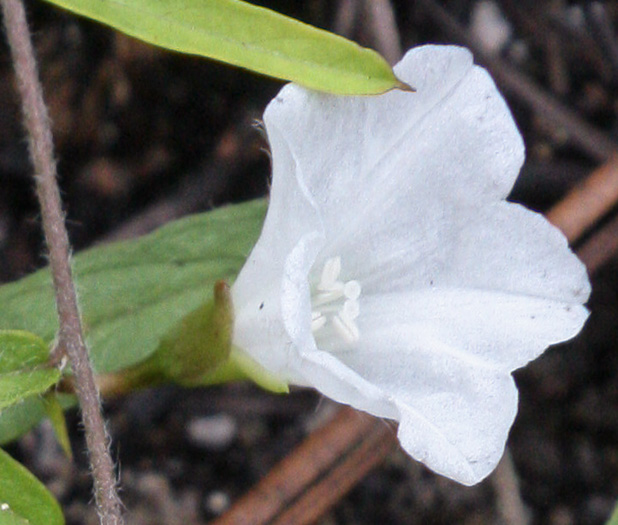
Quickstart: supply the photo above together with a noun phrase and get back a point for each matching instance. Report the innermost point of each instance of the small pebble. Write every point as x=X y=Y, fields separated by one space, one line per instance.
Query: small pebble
x=214 y=432
x=217 y=502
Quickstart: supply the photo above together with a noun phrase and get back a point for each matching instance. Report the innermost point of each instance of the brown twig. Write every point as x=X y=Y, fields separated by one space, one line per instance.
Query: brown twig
x=317 y=474
x=588 y=138
x=601 y=247
x=540 y=23
x=556 y=64
x=587 y=202
x=70 y=338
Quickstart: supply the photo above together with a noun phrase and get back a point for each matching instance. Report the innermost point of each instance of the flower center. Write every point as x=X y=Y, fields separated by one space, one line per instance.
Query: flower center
x=335 y=303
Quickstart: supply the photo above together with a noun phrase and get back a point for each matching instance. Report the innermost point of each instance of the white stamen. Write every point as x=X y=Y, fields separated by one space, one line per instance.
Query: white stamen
x=330 y=273
x=352 y=290
x=346 y=328
x=329 y=296
x=317 y=321
x=350 y=310
x=336 y=302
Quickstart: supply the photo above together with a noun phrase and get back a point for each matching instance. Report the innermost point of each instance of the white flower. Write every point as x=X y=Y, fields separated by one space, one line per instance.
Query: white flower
x=392 y=275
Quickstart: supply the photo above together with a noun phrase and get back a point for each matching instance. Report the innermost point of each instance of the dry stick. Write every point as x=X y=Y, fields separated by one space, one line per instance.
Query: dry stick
x=582 y=134
x=317 y=474
x=587 y=202
x=602 y=29
x=601 y=247
x=70 y=337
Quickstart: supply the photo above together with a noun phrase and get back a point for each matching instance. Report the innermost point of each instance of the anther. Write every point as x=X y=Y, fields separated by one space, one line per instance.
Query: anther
x=336 y=302
x=330 y=273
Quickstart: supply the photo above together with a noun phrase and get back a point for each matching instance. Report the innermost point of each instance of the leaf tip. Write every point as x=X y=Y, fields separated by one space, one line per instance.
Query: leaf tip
x=403 y=86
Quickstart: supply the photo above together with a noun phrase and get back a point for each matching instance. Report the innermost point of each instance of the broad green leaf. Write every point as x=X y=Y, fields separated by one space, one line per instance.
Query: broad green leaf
x=20 y=349
x=132 y=293
x=16 y=386
x=249 y=36
x=23 y=370
x=22 y=496
x=8 y=517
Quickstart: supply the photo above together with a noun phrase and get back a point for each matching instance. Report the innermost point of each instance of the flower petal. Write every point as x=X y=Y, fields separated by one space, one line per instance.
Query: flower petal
x=508 y=248
x=286 y=249
x=454 y=411
x=452 y=140
x=502 y=247
x=498 y=329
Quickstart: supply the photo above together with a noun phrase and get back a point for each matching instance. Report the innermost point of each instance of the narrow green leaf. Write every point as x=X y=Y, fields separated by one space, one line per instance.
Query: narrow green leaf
x=17 y=419
x=55 y=413
x=23 y=496
x=249 y=36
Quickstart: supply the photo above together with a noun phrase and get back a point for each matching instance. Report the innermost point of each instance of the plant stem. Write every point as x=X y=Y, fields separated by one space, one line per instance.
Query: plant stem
x=70 y=338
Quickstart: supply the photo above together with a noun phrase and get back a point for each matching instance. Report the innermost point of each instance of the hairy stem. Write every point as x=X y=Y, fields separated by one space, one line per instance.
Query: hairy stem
x=70 y=338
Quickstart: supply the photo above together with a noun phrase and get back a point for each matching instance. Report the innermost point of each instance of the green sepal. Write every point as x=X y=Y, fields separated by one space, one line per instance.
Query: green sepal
x=23 y=497
x=241 y=366
x=195 y=347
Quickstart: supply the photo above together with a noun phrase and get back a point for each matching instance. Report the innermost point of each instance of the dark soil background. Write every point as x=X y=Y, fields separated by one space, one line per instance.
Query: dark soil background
x=144 y=136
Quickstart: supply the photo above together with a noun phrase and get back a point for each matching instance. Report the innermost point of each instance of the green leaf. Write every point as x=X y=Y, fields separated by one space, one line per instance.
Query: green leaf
x=18 y=385
x=23 y=370
x=249 y=36
x=55 y=413
x=23 y=497
x=20 y=349
x=132 y=293
x=17 y=419
x=8 y=517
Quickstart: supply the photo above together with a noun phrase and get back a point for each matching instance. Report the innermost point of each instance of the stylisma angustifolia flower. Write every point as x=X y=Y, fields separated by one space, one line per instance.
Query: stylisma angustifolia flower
x=391 y=273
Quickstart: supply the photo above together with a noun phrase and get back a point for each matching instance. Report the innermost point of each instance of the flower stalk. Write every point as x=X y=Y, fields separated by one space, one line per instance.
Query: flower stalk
x=70 y=336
